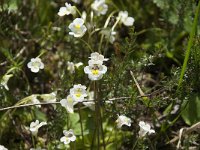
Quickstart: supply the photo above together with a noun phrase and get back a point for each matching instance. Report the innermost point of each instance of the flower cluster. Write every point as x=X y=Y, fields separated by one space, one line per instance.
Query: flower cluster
x=77 y=94
x=96 y=69
x=68 y=9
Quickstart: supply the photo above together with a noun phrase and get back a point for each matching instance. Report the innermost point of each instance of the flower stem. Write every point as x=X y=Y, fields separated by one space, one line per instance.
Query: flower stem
x=78 y=11
x=79 y=111
x=97 y=115
x=135 y=144
x=33 y=141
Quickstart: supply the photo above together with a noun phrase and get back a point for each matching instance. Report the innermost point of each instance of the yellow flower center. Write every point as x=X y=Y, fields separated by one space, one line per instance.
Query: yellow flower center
x=77 y=26
x=95 y=72
x=78 y=94
x=100 y=8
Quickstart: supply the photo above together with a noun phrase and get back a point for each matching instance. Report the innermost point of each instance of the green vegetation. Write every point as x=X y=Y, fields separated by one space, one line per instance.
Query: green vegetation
x=152 y=74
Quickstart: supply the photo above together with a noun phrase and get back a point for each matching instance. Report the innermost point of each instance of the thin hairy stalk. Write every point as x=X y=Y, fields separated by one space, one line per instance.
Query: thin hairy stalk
x=20 y=103
x=190 y=42
x=27 y=105
x=81 y=122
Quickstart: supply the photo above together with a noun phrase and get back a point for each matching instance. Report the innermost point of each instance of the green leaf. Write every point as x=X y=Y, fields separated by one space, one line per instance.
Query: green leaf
x=40 y=115
x=191 y=113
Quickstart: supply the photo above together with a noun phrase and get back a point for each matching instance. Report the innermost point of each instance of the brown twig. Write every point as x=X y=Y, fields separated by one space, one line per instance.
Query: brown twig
x=185 y=132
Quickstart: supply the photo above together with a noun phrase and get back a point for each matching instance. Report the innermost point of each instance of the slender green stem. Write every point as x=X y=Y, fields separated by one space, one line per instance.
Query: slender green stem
x=87 y=45
x=33 y=141
x=93 y=138
x=190 y=42
x=100 y=45
x=105 y=26
x=79 y=111
x=42 y=53
x=117 y=21
x=78 y=11
x=107 y=142
x=97 y=115
x=100 y=119
x=135 y=144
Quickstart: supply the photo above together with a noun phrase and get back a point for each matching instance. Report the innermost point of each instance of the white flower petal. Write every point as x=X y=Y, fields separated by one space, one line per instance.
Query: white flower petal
x=144 y=129
x=129 y=21
x=62 y=11
x=68 y=104
x=78 y=21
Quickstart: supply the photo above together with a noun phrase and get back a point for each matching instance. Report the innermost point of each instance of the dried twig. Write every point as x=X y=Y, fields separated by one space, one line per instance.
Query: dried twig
x=47 y=103
x=185 y=131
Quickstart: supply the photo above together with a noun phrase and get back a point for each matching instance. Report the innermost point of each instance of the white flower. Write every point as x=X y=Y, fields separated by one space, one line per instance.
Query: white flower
x=3 y=148
x=110 y=36
x=77 y=27
x=77 y=65
x=127 y=21
x=49 y=97
x=35 y=64
x=98 y=57
x=68 y=103
x=100 y=7
x=78 y=92
x=68 y=9
x=144 y=129
x=4 y=80
x=34 y=126
x=123 y=120
x=71 y=66
x=68 y=137
x=34 y=100
x=95 y=70
x=84 y=15
x=90 y=103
